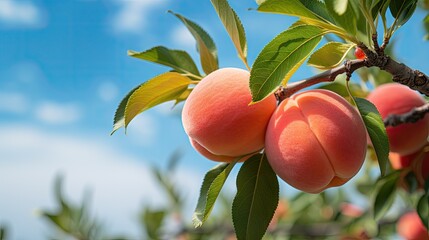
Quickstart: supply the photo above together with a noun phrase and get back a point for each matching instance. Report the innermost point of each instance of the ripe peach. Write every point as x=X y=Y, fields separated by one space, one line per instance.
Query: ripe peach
x=315 y=140
x=394 y=98
x=399 y=162
x=411 y=227
x=219 y=120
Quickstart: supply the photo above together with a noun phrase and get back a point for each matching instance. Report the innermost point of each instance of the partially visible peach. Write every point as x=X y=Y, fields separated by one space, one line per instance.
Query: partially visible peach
x=411 y=227
x=394 y=98
x=351 y=210
x=417 y=162
x=219 y=120
x=315 y=140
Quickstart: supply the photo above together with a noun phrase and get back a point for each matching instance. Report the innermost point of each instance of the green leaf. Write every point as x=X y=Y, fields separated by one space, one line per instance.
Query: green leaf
x=376 y=130
x=210 y=189
x=233 y=26
x=119 y=119
x=402 y=10
x=340 y=6
x=152 y=220
x=205 y=44
x=426 y=25
x=3 y=232
x=385 y=195
x=318 y=8
x=288 y=7
x=423 y=210
x=177 y=59
x=330 y=55
x=257 y=198
x=280 y=58
x=165 y=87
x=347 y=19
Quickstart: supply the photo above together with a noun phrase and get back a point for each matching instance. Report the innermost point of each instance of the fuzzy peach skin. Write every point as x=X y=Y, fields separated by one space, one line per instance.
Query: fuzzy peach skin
x=315 y=140
x=399 y=162
x=218 y=158
x=410 y=227
x=218 y=118
x=394 y=98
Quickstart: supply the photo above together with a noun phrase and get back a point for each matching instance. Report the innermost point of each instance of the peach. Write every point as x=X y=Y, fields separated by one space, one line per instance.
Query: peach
x=315 y=140
x=394 y=98
x=410 y=227
x=399 y=162
x=218 y=119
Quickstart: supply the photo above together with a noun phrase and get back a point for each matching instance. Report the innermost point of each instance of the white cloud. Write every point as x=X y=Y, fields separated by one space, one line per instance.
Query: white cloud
x=11 y=102
x=181 y=36
x=143 y=129
x=20 y=13
x=31 y=158
x=133 y=14
x=107 y=91
x=56 y=113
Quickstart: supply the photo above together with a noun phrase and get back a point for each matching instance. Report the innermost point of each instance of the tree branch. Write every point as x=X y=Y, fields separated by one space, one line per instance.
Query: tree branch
x=400 y=72
x=410 y=117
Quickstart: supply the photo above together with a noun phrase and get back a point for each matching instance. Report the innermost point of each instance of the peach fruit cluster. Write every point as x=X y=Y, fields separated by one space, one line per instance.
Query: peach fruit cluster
x=313 y=140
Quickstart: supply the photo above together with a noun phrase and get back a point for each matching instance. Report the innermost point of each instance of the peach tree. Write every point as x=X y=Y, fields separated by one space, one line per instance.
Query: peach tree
x=313 y=134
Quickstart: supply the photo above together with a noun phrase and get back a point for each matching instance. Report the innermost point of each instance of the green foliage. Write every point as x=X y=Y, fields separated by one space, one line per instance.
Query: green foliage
x=281 y=58
x=165 y=87
x=73 y=220
x=233 y=26
x=256 y=199
x=376 y=131
x=330 y=55
x=423 y=209
x=152 y=221
x=343 y=14
x=385 y=194
x=205 y=44
x=3 y=233
x=210 y=189
x=177 y=59
x=426 y=25
x=402 y=10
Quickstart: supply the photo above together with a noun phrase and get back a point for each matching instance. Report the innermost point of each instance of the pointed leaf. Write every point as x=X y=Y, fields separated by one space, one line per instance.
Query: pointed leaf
x=402 y=10
x=210 y=189
x=318 y=8
x=177 y=59
x=280 y=58
x=288 y=7
x=346 y=20
x=376 y=131
x=257 y=198
x=385 y=195
x=423 y=210
x=119 y=119
x=162 y=88
x=330 y=55
x=205 y=44
x=233 y=26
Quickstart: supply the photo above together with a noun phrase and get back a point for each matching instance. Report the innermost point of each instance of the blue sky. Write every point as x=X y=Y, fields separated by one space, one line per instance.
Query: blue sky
x=63 y=71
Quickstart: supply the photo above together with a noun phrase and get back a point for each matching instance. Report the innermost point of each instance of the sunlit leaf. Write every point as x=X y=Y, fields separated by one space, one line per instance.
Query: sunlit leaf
x=280 y=58
x=177 y=59
x=233 y=26
x=257 y=198
x=205 y=44
x=340 y=6
x=376 y=131
x=119 y=119
x=330 y=55
x=210 y=189
x=385 y=195
x=347 y=19
x=162 y=88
